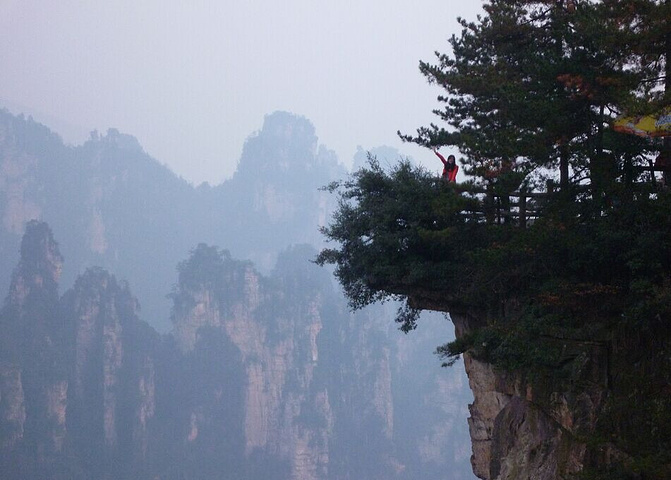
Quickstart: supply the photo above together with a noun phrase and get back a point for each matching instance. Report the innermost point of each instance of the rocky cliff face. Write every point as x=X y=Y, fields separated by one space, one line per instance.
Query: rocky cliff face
x=277 y=354
x=532 y=428
x=112 y=393
x=34 y=386
x=260 y=378
x=67 y=371
x=12 y=406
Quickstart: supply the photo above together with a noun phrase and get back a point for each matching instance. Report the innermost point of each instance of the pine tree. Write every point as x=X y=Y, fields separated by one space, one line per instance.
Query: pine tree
x=534 y=86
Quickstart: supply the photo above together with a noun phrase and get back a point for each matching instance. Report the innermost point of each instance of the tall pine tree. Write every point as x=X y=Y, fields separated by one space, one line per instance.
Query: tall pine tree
x=533 y=87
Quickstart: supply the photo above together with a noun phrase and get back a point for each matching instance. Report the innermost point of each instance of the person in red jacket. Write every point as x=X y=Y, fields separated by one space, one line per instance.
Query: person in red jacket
x=450 y=167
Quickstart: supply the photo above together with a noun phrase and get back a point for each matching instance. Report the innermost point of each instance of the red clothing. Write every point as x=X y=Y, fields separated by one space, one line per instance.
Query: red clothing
x=449 y=171
x=452 y=174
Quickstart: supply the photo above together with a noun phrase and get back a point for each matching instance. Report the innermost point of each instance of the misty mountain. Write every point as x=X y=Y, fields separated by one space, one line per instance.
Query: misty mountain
x=265 y=372
x=114 y=206
x=263 y=377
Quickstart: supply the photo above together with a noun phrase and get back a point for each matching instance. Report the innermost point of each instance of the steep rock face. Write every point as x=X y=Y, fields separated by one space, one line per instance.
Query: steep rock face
x=313 y=388
x=531 y=429
x=144 y=410
x=263 y=377
x=277 y=354
x=38 y=272
x=72 y=390
x=35 y=383
x=112 y=394
x=12 y=406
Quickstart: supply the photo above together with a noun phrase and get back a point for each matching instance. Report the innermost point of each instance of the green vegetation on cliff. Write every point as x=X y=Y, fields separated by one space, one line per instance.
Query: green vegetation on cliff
x=532 y=90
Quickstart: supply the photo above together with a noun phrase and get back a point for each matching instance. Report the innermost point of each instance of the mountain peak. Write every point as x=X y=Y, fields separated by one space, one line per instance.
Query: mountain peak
x=286 y=142
x=40 y=266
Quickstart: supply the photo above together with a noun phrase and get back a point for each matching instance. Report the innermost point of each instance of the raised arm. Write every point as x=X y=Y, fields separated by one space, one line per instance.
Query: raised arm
x=442 y=159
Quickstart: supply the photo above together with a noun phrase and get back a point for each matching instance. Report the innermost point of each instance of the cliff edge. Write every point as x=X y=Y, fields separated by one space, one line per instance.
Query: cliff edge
x=562 y=323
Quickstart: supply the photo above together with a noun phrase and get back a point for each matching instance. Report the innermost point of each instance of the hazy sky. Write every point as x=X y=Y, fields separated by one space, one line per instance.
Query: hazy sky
x=192 y=80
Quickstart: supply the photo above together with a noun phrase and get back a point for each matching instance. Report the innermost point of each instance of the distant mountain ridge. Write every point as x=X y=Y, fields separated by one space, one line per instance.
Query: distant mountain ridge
x=115 y=206
x=265 y=374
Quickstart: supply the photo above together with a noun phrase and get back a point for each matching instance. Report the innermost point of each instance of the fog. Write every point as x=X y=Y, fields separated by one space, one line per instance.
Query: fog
x=153 y=329
x=191 y=80
x=162 y=327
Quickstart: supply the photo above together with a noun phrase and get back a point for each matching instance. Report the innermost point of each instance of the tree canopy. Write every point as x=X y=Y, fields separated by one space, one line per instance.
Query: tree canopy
x=531 y=90
x=537 y=85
